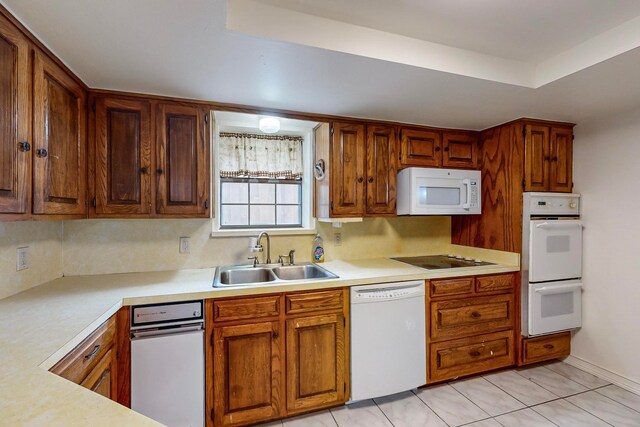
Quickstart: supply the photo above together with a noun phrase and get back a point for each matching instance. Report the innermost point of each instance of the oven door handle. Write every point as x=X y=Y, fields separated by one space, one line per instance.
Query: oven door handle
x=557 y=289
x=467 y=204
x=560 y=224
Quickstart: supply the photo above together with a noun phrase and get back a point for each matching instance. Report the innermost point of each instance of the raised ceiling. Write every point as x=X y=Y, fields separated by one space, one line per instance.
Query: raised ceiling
x=184 y=49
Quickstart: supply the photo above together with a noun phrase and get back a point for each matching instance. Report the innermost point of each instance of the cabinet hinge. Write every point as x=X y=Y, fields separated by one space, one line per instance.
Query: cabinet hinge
x=211 y=414
x=93 y=202
x=206 y=204
x=331 y=130
x=524 y=184
x=206 y=118
x=344 y=322
x=524 y=132
x=331 y=205
x=211 y=339
x=345 y=387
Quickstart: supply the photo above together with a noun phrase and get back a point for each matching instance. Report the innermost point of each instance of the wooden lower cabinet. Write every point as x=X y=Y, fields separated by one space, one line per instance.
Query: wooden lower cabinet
x=247 y=369
x=466 y=356
x=548 y=347
x=101 y=362
x=264 y=363
x=472 y=325
x=316 y=375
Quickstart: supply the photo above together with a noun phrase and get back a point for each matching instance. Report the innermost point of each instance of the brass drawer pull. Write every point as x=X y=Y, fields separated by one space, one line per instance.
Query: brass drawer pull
x=93 y=352
x=475 y=315
x=474 y=353
x=549 y=346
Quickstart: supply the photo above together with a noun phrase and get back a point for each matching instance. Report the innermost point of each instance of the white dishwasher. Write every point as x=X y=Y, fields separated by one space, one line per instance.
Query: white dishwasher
x=388 y=342
x=167 y=363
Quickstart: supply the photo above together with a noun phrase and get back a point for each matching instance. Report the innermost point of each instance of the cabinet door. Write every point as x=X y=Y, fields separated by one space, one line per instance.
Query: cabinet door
x=59 y=126
x=537 y=157
x=561 y=176
x=15 y=155
x=381 y=170
x=315 y=362
x=247 y=373
x=347 y=170
x=460 y=150
x=122 y=157
x=102 y=378
x=420 y=147
x=183 y=161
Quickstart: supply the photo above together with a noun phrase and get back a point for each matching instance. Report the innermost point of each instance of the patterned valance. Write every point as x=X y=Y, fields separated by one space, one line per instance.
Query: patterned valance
x=260 y=156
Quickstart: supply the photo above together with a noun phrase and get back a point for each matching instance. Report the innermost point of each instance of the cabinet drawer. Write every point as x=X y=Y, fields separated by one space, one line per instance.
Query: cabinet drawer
x=314 y=301
x=461 y=318
x=79 y=363
x=494 y=284
x=246 y=308
x=451 y=287
x=546 y=348
x=452 y=359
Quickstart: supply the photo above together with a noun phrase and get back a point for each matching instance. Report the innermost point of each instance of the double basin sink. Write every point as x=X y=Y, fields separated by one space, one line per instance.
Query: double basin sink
x=268 y=274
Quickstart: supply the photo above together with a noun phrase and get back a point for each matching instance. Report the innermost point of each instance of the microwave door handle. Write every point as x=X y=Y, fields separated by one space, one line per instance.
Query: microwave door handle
x=557 y=289
x=467 y=183
x=560 y=224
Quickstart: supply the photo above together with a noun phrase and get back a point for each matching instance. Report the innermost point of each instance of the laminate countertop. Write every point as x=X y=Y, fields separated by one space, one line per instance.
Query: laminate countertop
x=41 y=325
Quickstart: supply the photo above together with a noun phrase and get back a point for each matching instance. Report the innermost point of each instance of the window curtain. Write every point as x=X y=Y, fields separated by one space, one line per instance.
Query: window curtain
x=260 y=156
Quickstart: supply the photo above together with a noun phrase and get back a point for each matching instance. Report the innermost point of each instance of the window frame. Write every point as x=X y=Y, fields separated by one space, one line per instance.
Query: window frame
x=275 y=181
x=308 y=219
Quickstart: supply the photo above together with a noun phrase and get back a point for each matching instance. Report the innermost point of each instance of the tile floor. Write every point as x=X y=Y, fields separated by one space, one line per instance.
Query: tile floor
x=554 y=394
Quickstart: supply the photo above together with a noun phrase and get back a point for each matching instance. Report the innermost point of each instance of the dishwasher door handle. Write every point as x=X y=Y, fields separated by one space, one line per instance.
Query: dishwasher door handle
x=142 y=333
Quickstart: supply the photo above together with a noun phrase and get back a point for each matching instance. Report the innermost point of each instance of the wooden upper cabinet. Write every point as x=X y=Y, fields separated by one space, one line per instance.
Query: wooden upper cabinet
x=460 y=150
x=420 y=147
x=315 y=362
x=122 y=156
x=561 y=176
x=537 y=158
x=347 y=170
x=15 y=150
x=548 y=158
x=59 y=127
x=247 y=373
x=381 y=170
x=183 y=160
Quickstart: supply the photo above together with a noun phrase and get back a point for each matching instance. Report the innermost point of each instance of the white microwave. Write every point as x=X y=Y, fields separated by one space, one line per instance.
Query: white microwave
x=431 y=191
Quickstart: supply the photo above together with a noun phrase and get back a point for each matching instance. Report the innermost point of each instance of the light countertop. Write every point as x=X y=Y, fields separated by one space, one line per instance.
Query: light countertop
x=40 y=326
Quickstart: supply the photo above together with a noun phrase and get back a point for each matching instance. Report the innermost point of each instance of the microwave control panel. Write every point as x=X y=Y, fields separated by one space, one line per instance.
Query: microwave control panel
x=473 y=188
x=552 y=203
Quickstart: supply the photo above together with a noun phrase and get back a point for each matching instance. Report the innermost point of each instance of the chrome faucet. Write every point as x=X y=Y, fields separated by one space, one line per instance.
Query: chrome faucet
x=259 y=245
x=290 y=256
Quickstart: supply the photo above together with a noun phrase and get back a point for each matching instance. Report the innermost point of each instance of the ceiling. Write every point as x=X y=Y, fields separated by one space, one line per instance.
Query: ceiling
x=162 y=47
x=227 y=121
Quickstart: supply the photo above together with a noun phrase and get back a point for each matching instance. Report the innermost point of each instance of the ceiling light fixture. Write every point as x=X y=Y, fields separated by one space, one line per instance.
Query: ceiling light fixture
x=269 y=125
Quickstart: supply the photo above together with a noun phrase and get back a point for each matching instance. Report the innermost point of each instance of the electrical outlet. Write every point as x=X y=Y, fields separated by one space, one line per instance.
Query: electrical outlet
x=22 y=258
x=337 y=238
x=185 y=245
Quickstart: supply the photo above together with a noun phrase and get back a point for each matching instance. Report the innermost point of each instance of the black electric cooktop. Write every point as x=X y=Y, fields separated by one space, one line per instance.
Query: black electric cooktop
x=437 y=262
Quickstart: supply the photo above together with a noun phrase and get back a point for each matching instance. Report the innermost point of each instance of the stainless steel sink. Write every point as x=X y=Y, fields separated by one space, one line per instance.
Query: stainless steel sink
x=245 y=275
x=240 y=275
x=302 y=272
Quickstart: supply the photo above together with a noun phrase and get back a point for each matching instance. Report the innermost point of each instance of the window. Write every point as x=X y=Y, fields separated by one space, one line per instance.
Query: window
x=255 y=202
x=262 y=181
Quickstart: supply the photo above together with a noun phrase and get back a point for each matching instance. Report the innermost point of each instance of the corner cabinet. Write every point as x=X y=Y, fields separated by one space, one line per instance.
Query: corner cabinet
x=15 y=126
x=276 y=355
x=148 y=159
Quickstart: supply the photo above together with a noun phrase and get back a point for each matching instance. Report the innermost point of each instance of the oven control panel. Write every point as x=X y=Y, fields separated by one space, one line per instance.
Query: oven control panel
x=552 y=203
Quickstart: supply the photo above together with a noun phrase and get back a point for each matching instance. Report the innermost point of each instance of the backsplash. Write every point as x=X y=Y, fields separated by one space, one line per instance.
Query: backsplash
x=44 y=239
x=120 y=246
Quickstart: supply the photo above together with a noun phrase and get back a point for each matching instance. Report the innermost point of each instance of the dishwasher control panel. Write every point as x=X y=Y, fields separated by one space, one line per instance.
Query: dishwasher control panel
x=388 y=291
x=160 y=314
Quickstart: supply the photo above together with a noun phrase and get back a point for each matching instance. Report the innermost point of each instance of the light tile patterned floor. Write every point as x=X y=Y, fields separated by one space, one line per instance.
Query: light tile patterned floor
x=554 y=394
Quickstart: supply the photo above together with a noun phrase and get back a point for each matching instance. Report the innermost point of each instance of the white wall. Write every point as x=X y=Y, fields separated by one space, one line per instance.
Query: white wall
x=607 y=173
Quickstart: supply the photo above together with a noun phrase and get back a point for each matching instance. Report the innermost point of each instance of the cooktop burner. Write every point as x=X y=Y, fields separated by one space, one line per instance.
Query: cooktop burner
x=437 y=262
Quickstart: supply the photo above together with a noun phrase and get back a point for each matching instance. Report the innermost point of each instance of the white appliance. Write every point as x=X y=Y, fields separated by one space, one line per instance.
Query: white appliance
x=167 y=363
x=430 y=191
x=551 y=263
x=388 y=346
